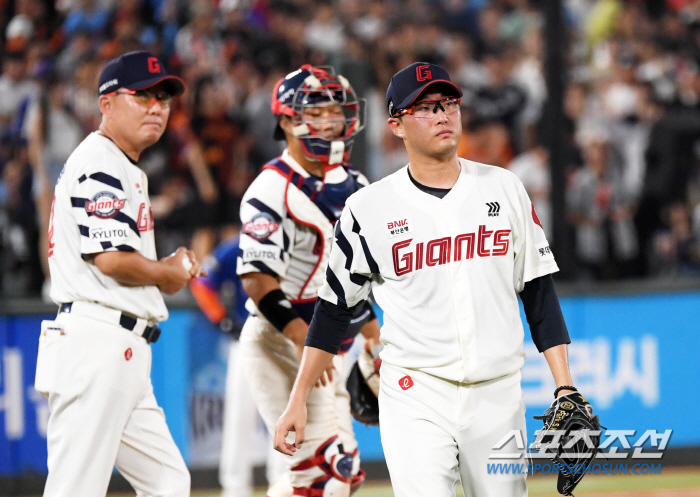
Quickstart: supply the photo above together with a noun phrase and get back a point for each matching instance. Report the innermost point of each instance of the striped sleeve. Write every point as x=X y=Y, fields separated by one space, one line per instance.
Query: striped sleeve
x=265 y=236
x=351 y=264
x=106 y=218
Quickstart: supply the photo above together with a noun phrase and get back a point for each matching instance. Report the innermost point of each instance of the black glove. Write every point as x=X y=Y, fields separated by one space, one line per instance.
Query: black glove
x=570 y=414
x=364 y=405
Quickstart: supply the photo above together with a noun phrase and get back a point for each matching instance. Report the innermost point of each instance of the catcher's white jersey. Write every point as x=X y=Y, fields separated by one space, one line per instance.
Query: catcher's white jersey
x=445 y=271
x=285 y=233
x=101 y=204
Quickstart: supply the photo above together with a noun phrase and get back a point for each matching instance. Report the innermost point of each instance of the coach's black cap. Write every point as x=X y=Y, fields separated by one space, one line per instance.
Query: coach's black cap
x=409 y=82
x=137 y=71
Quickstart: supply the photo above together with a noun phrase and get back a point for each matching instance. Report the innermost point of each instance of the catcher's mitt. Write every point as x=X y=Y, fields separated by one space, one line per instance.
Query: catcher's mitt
x=570 y=416
x=363 y=387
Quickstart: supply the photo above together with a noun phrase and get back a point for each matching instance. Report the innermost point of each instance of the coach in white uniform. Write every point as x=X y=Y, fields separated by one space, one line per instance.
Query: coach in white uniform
x=95 y=359
x=446 y=245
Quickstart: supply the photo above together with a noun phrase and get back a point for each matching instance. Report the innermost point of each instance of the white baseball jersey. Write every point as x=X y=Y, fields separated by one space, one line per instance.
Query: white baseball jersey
x=101 y=204
x=285 y=233
x=445 y=271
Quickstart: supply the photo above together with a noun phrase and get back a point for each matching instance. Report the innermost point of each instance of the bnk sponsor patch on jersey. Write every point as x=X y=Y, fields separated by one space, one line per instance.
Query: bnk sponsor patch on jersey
x=398 y=227
x=544 y=252
x=261 y=226
x=104 y=205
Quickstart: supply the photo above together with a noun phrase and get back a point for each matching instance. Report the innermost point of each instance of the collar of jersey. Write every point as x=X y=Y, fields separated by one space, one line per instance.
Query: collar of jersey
x=413 y=195
x=291 y=162
x=98 y=133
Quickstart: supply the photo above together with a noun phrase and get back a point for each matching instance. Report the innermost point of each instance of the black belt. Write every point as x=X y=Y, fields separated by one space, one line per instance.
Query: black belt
x=150 y=333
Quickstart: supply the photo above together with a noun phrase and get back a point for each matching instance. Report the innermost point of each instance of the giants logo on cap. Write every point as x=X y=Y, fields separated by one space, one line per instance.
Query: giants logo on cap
x=423 y=73
x=153 y=65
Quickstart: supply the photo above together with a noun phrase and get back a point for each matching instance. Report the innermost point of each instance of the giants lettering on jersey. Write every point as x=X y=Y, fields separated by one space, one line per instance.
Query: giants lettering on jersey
x=440 y=251
x=145 y=221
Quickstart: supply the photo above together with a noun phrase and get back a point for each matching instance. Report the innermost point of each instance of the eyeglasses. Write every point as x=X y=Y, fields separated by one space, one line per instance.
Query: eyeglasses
x=147 y=98
x=428 y=108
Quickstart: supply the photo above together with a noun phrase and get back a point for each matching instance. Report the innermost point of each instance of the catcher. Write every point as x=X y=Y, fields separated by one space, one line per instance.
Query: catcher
x=288 y=214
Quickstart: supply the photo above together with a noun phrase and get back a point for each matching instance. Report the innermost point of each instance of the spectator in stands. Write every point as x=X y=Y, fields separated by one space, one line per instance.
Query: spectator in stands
x=601 y=210
x=199 y=41
x=532 y=168
x=22 y=275
x=676 y=248
x=87 y=15
x=325 y=33
x=501 y=101
x=17 y=90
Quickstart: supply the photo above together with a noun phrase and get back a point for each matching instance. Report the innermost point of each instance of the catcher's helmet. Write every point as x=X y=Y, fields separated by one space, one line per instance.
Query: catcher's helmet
x=311 y=86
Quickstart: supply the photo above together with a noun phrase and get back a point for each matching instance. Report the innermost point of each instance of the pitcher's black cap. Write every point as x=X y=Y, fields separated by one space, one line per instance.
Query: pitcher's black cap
x=137 y=71
x=409 y=82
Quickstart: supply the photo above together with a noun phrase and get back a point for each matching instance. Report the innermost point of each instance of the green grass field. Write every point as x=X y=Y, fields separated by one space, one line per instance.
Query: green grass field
x=670 y=483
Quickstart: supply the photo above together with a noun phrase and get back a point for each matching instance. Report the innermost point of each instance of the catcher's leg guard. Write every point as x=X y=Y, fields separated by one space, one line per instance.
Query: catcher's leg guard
x=337 y=466
x=358 y=475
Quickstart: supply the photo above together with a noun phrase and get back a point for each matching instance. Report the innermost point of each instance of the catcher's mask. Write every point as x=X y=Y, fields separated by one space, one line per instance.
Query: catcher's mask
x=311 y=86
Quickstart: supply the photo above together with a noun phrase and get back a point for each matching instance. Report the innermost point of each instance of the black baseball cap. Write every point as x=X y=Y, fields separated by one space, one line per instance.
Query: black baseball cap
x=137 y=71
x=409 y=82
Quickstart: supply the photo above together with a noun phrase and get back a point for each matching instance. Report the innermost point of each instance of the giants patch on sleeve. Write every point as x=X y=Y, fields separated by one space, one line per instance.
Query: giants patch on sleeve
x=261 y=226
x=398 y=227
x=544 y=251
x=104 y=205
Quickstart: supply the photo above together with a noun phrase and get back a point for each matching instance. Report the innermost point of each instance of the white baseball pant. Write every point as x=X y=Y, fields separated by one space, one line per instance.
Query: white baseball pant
x=271 y=367
x=96 y=376
x=435 y=432
x=239 y=434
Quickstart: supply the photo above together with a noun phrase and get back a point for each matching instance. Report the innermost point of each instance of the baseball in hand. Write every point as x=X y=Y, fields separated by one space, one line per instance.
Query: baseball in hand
x=186 y=263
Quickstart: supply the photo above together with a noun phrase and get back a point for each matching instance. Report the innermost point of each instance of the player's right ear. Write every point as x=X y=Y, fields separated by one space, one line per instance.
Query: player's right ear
x=396 y=125
x=105 y=104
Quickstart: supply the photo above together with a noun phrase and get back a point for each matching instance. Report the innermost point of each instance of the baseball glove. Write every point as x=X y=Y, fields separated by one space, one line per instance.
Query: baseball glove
x=570 y=416
x=363 y=387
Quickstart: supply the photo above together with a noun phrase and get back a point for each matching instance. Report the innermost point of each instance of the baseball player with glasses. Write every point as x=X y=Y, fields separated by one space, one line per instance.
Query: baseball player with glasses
x=287 y=216
x=94 y=359
x=446 y=245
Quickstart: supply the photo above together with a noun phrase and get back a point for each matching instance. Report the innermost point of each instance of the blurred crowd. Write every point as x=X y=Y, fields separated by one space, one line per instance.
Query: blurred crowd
x=632 y=107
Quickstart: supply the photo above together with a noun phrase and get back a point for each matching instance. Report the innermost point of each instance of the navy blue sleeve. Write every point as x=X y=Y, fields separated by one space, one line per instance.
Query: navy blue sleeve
x=329 y=325
x=544 y=314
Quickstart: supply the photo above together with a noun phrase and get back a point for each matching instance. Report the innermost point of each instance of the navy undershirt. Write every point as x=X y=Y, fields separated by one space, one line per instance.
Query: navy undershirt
x=540 y=302
x=436 y=192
